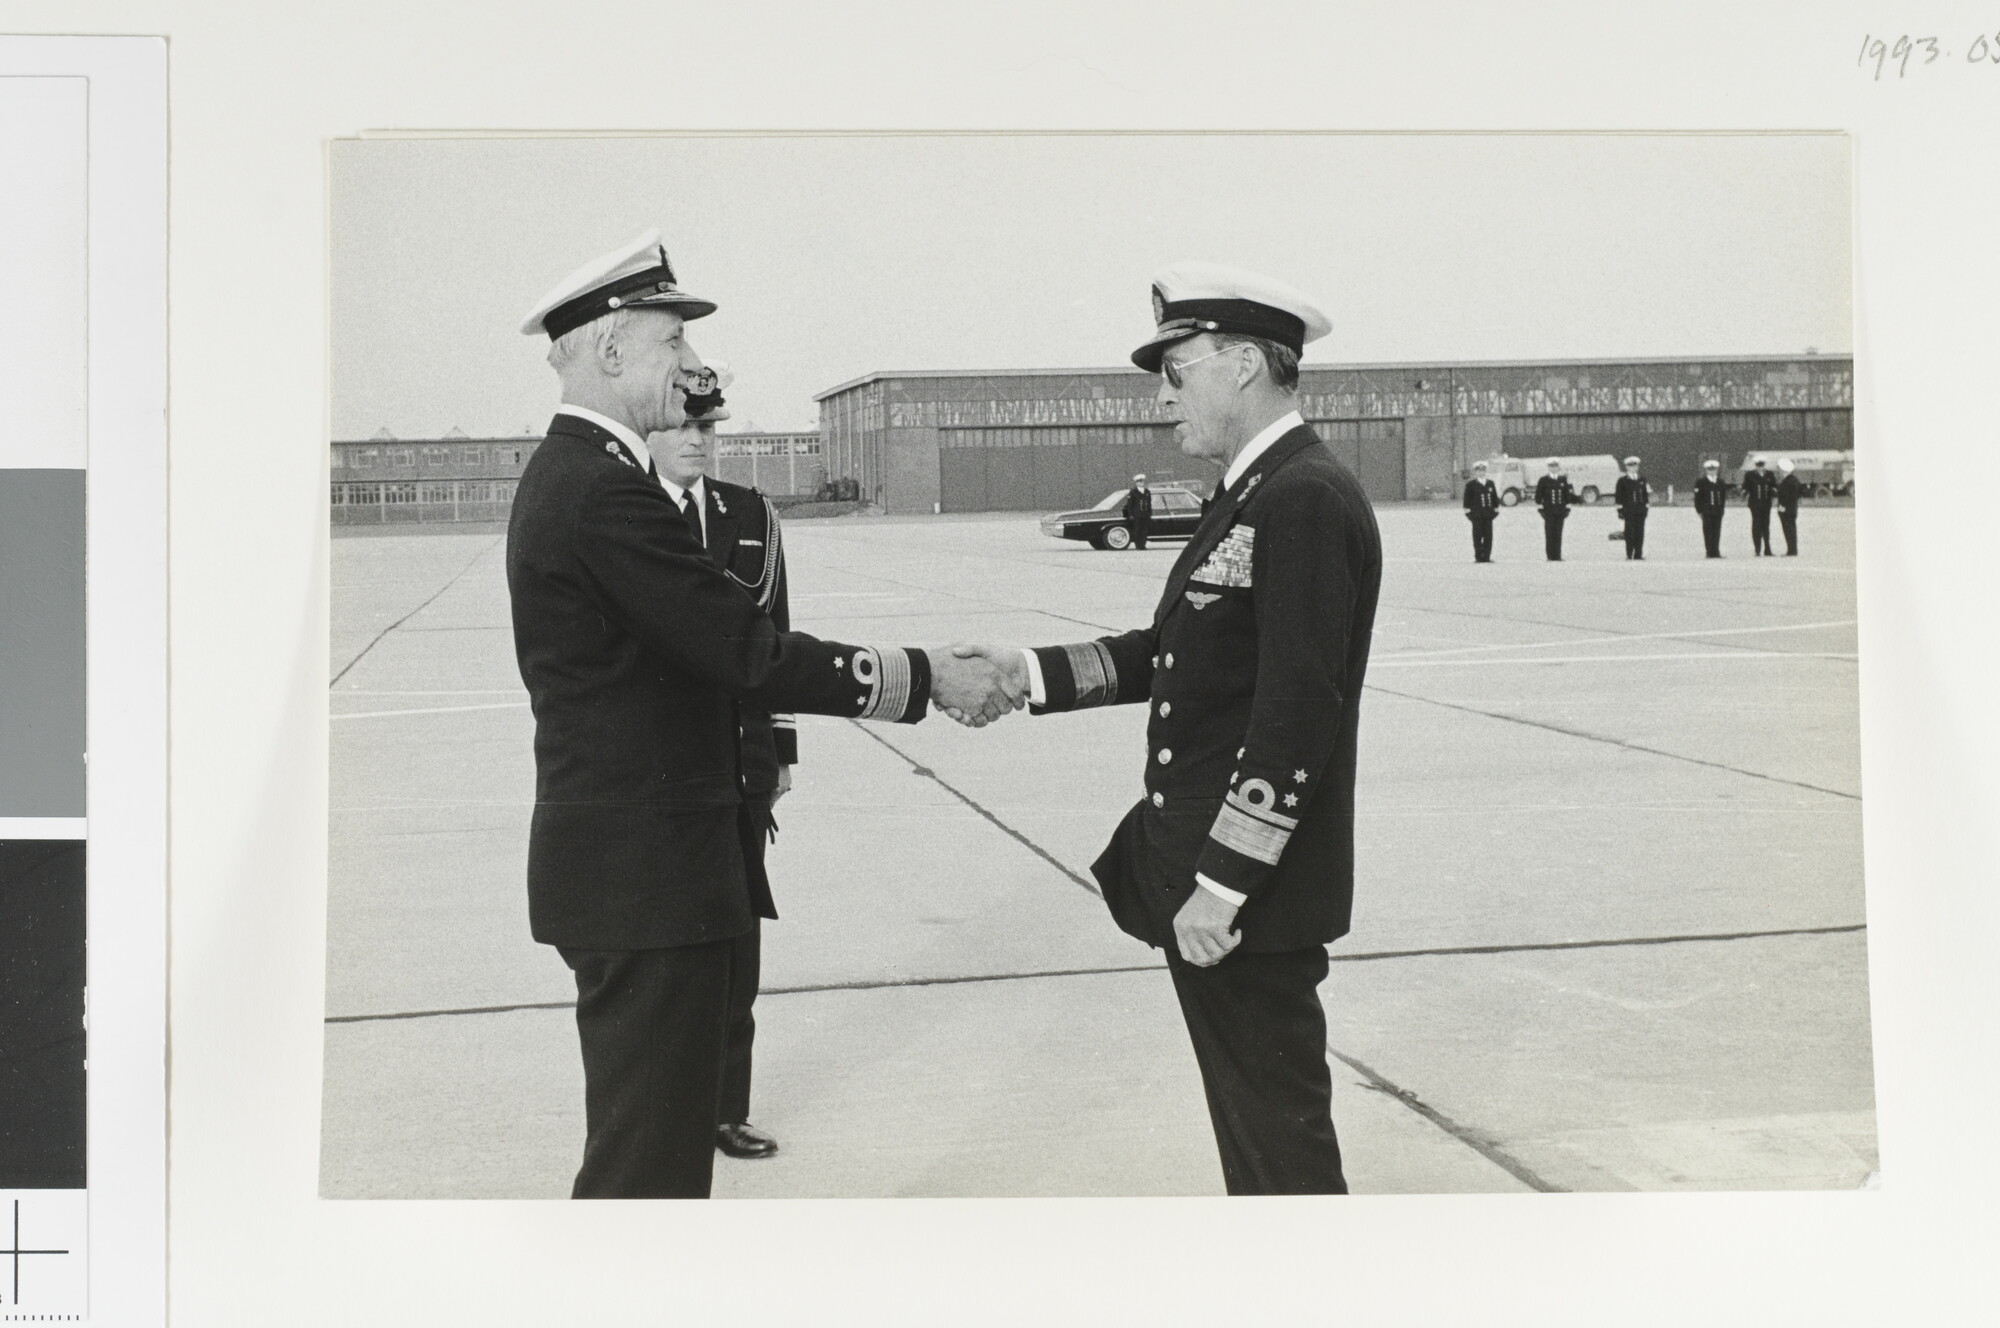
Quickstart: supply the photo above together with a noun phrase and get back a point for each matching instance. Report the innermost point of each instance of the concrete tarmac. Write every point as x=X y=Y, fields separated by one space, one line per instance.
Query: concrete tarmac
x=1608 y=926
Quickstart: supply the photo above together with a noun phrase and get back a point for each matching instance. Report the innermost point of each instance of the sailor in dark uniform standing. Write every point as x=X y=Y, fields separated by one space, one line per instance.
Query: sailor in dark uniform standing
x=1711 y=499
x=1633 y=501
x=739 y=528
x=1760 y=489
x=1790 y=490
x=638 y=654
x=1239 y=859
x=1555 y=497
x=1482 y=504
x=1138 y=511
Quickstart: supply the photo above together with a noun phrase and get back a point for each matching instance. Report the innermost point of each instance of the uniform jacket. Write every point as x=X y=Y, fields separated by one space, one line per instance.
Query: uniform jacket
x=747 y=543
x=1632 y=497
x=1789 y=492
x=1251 y=672
x=1759 y=488
x=1553 y=494
x=639 y=654
x=1138 y=507
x=1482 y=499
x=1711 y=495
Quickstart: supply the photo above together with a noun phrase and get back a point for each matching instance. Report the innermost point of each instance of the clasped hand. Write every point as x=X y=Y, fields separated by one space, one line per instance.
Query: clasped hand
x=976 y=684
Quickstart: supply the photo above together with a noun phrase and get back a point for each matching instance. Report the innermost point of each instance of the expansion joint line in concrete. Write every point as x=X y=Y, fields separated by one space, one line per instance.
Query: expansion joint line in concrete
x=459 y=576
x=1481 y=1144
x=1588 y=736
x=1365 y=956
x=1005 y=829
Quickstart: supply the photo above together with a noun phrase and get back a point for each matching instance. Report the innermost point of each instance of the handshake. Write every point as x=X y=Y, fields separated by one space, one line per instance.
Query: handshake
x=976 y=684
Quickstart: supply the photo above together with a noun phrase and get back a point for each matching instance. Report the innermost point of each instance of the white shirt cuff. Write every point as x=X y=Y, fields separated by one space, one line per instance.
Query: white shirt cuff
x=1221 y=892
x=1037 y=692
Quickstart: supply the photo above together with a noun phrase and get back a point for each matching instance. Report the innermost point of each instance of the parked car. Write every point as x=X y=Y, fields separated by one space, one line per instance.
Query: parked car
x=1176 y=512
x=1593 y=477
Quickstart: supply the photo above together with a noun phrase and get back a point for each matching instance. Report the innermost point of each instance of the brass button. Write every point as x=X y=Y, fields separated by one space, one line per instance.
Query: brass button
x=1166 y=708
x=1170 y=659
x=1166 y=755
x=1159 y=799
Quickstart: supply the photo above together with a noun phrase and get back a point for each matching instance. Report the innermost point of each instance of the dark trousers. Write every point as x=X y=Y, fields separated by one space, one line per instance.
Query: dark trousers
x=1635 y=535
x=654 y=1025
x=1259 y=1035
x=1711 y=533
x=1482 y=539
x=1760 y=529
x=1552 y=533
x=1140 y=527
x=1789 y=523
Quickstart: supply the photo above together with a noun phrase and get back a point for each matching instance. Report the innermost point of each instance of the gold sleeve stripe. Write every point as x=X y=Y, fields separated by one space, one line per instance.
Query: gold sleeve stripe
x=1238 y=830
x=1254 y=799
x=888 y=673
x=1096 y=676
x=784 y=721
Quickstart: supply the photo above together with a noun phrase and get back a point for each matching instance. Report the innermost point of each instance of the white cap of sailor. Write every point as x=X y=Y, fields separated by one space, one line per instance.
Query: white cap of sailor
x=1192 y=298
x=704 y=392
x=636 y=274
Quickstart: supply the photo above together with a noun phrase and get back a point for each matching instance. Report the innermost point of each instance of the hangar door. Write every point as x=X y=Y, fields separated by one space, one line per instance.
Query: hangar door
x=1051 y=469
x=1373 y=450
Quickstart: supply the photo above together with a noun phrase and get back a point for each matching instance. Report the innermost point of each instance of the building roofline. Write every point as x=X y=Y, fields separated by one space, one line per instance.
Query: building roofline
x=1380 y=365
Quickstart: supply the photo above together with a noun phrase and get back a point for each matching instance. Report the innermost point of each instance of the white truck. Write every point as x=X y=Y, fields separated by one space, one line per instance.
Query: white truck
x=1595 y=478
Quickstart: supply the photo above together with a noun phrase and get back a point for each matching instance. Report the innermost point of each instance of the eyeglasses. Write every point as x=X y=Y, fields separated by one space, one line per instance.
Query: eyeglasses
x=1172 y=371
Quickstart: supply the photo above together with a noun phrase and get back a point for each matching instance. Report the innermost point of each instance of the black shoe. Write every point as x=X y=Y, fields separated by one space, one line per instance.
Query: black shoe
x=744 y=1140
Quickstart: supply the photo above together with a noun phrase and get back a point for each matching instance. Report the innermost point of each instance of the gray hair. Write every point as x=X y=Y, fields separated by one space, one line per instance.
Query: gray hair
x=565 y=349
x=1282 y=361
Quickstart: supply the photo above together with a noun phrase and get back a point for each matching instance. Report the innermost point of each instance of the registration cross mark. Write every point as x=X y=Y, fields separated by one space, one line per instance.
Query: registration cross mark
x=16 y=1252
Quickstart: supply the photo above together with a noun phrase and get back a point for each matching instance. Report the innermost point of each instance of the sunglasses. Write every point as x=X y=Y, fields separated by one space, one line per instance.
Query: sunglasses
x=1172 y=371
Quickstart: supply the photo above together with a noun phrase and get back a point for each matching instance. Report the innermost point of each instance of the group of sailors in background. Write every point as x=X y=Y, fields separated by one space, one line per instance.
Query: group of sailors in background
x=1554 y=496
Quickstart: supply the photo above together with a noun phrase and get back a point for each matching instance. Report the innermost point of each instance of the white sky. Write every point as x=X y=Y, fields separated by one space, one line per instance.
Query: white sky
x=832 y=257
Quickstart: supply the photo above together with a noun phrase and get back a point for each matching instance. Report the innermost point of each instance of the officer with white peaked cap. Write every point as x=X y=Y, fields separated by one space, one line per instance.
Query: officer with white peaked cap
x=637 y=651
x=1238 y=861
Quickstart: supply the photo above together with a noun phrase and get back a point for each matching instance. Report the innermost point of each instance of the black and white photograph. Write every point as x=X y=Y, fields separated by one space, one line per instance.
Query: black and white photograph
x=992 y=665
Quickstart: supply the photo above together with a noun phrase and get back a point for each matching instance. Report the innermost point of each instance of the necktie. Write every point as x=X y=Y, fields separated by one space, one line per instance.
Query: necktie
x=693 y=516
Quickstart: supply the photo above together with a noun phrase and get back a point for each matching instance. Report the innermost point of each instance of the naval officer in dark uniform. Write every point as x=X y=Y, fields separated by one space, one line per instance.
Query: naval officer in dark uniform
x=1239 y=859
x=1790 y=490
x=1138 y=511
x=739 y=528
x=1555 y=496
x=1760 y=489
x=1634 y=498
x=638 y=654
x=1482 y=504
x=1711 y=499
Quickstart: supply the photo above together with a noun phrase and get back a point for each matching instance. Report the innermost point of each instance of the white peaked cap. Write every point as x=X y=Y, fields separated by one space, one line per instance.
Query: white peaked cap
x=1192 y=298
x=634 y=274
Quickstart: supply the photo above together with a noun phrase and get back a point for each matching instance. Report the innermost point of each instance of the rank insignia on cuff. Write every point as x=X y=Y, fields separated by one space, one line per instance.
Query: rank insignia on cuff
x=886 y=673
x=1229 y=563
x=1249 y=825
x=1095 y=675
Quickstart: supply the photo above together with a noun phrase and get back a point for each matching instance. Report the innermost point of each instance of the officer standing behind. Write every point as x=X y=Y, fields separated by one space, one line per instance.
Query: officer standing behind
x=637 y=652
x=1760 y=487
x=739 y=528
x=1711 y=495
x=1239 y=859
x=1633 y=501
x=1139 y=511
x=1789 y=493
x=1482 y=504
x=1555 y=497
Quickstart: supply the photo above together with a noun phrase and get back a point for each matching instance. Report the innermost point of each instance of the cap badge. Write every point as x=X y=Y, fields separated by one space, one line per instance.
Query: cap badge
x=1159 y=306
